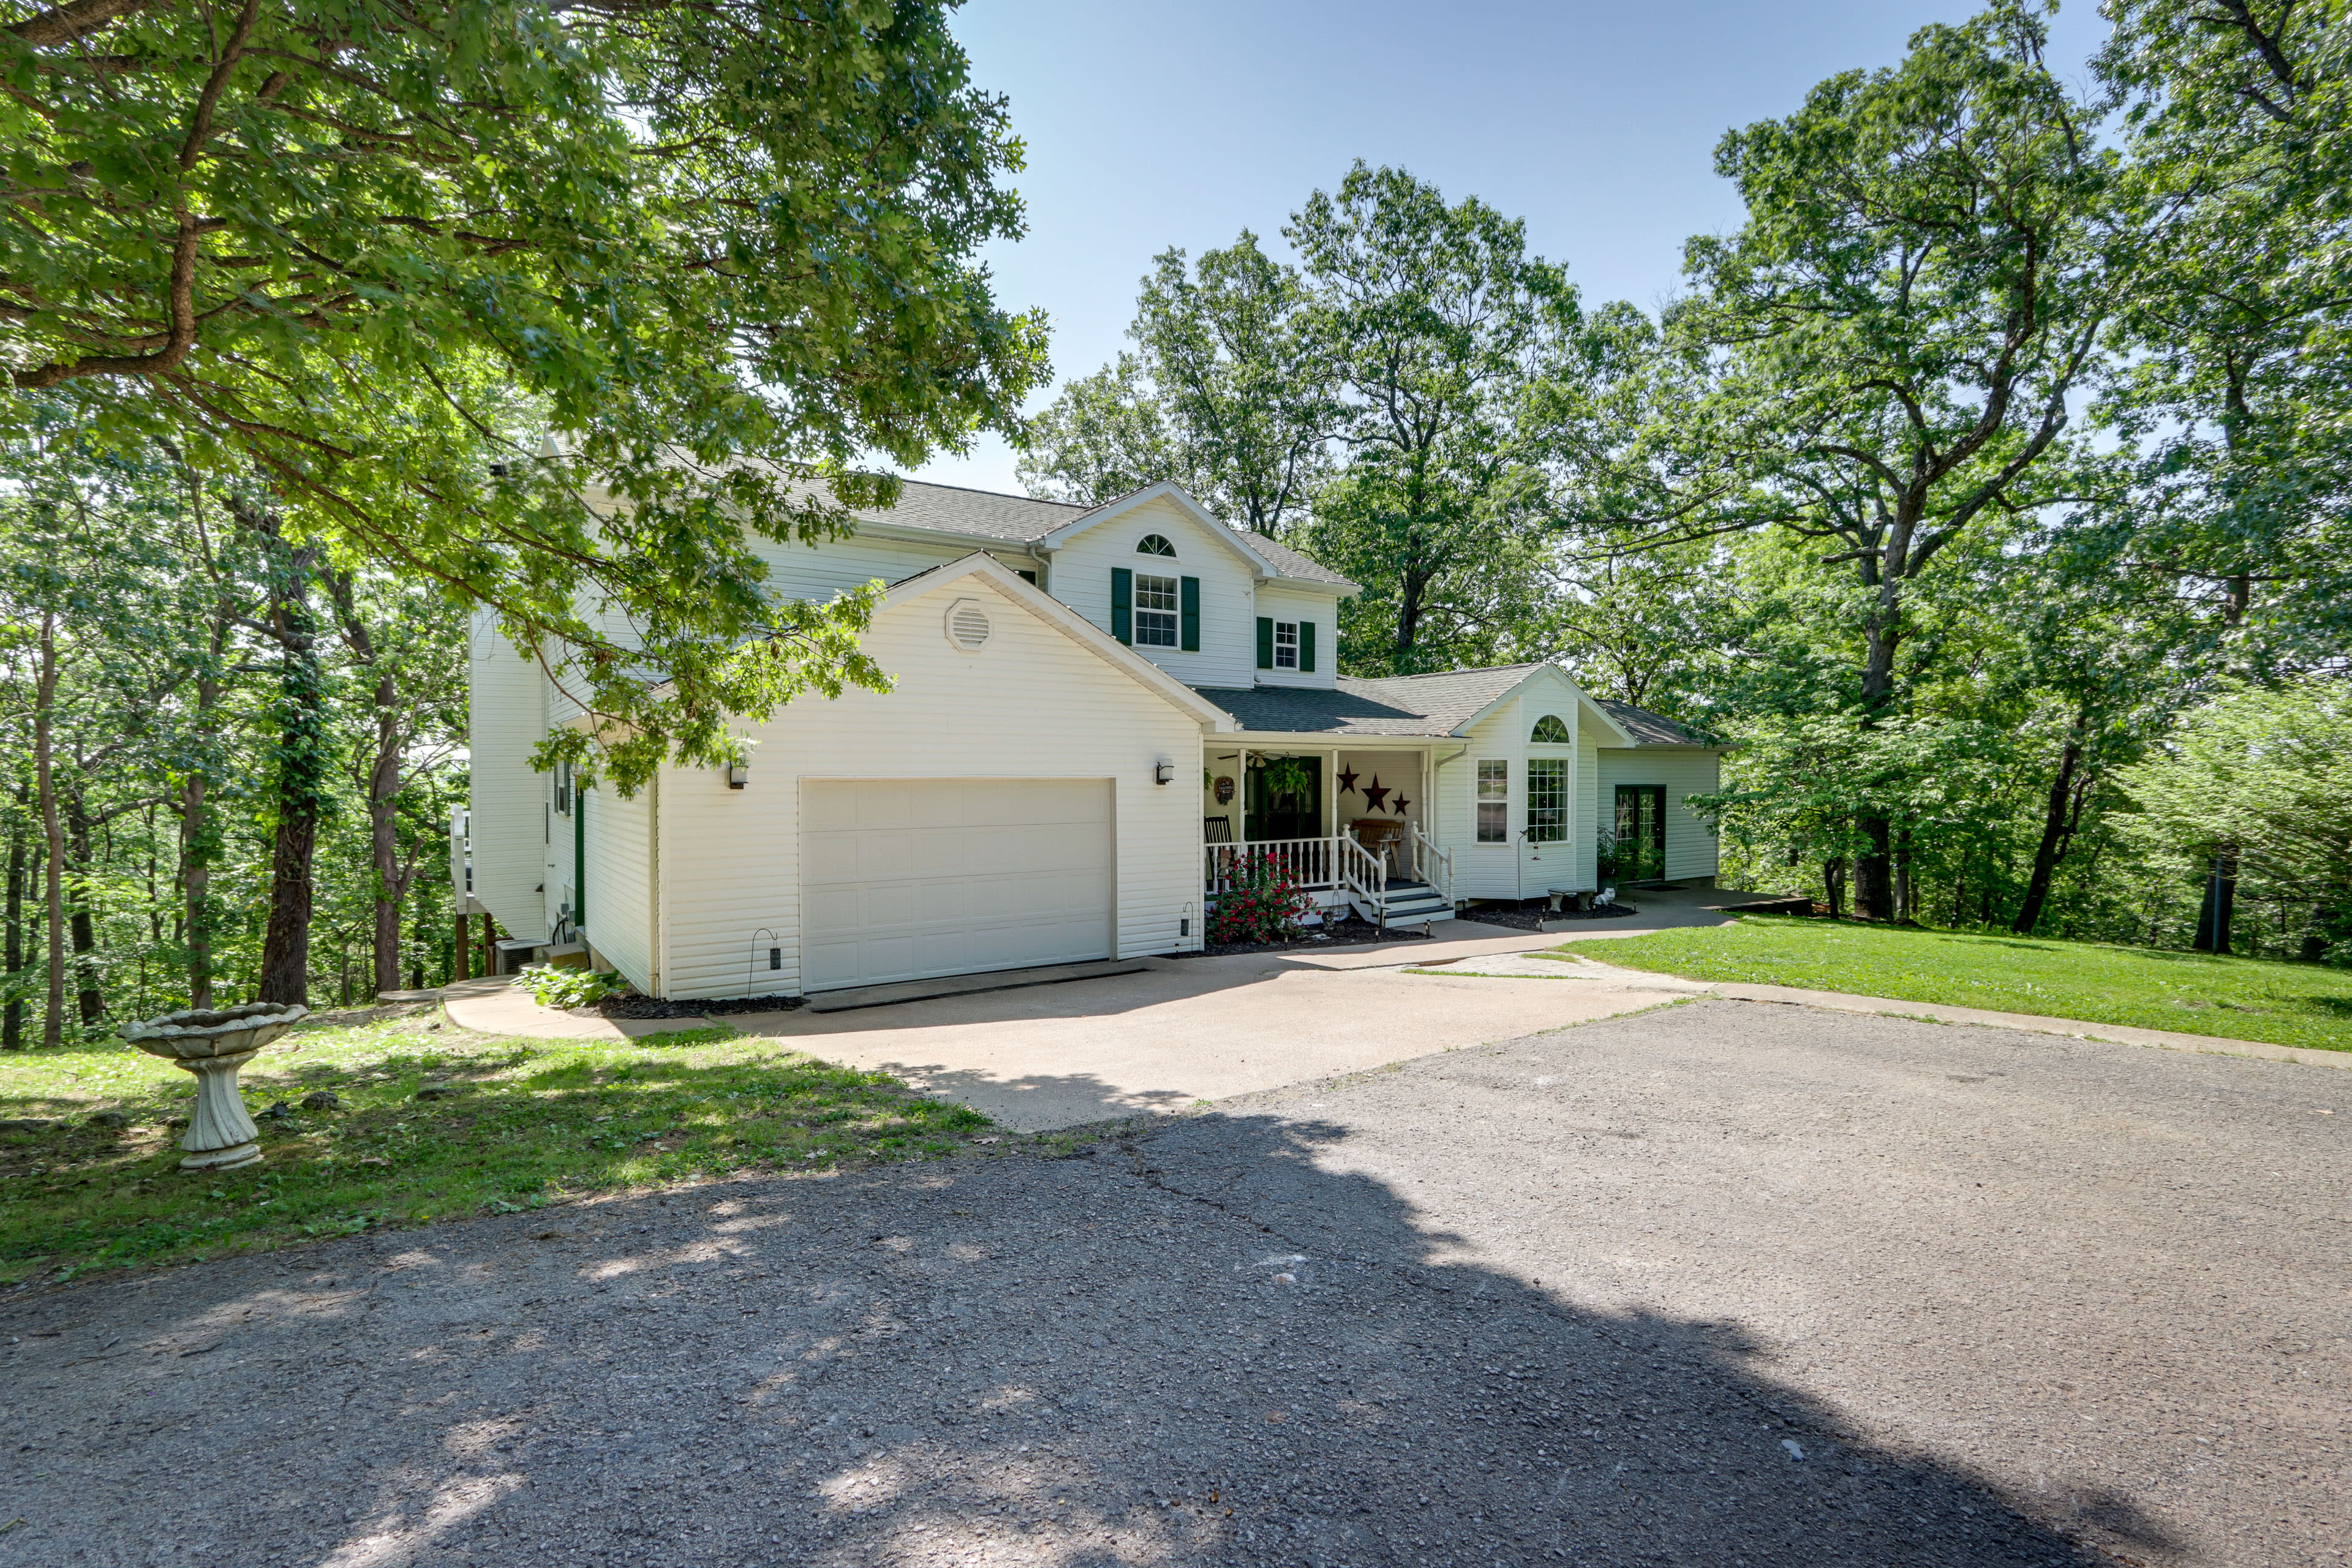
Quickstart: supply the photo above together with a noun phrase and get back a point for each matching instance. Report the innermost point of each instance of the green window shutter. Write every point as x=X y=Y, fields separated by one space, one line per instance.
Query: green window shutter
x=1306 y=647
x=1122 y=604
x=1265 y=642
x=1189 y=633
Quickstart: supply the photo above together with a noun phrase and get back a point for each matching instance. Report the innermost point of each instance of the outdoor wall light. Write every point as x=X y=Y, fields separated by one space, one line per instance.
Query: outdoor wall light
x=738 y=774
x=1165 y=773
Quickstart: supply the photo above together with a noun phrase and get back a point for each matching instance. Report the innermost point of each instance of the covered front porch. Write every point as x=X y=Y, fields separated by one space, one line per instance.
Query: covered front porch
x=1349 y=824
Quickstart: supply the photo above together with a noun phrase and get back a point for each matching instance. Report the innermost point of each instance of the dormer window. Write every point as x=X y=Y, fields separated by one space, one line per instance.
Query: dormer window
x=1153 y=544
x=1549 y=732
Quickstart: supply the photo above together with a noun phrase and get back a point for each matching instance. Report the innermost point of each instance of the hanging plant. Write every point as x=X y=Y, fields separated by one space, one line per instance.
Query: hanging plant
x=1290 y=780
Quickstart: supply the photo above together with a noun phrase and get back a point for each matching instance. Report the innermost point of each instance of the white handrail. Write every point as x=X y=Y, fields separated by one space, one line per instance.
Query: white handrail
x=1365 y=875
x=1430 y=864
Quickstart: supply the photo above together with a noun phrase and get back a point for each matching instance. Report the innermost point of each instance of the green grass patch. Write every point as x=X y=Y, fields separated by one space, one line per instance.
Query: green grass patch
x=2190 y=993
x=525 y=1123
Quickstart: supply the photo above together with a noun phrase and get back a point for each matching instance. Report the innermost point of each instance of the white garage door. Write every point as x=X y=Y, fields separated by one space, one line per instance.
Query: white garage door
x=907 y=879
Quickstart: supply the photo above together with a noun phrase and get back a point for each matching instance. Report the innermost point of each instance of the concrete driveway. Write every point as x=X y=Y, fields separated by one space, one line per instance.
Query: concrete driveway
x=1183 y=1031
x=1725 y=1284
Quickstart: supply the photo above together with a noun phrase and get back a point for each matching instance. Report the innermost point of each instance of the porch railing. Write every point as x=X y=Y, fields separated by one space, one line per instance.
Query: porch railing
x=1308 y=862
x=1337 y=864
x=1432 y=865
x=1364 y=876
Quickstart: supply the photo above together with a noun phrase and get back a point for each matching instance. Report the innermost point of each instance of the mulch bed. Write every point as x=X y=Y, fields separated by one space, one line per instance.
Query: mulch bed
x=632 y=1005
x=1351 y=932
x=1527 y=916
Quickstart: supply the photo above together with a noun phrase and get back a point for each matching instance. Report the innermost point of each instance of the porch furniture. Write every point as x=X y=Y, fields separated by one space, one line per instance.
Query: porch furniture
x=1383 y=835
x=1216 y=830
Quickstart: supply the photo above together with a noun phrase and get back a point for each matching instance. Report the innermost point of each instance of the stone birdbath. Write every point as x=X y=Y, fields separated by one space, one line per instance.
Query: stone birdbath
x=214 y=1046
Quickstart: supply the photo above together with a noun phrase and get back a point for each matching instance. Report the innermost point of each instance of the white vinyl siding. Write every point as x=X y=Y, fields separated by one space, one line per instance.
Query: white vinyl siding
x=1298 y=607
x=619 y=882
x=818 y=572
x=1033 y=704
x=1081 y=579
x=505 y=721
x=909 y=879
x=1682 y=770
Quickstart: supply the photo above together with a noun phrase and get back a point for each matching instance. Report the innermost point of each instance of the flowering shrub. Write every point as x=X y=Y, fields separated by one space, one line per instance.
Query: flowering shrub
x=1264 y=904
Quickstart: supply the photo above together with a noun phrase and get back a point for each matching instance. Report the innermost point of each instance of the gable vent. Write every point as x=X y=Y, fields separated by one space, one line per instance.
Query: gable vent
x=967 y=624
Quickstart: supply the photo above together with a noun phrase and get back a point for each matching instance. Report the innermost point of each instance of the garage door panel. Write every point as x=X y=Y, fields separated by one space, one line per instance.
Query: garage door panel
x=912 y=879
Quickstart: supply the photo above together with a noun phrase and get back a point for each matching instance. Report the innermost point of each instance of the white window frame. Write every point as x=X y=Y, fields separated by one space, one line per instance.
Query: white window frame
x=1285 y=645
x=1159 y=603
x=1546 y=805
x=564 y=789
x=1494 y=800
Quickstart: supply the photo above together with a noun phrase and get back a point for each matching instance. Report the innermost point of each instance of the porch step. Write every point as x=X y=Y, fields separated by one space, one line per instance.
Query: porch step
x=1412 y=903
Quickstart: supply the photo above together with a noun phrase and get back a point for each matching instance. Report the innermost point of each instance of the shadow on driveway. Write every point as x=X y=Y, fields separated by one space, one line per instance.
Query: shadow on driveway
x=1200 y=1347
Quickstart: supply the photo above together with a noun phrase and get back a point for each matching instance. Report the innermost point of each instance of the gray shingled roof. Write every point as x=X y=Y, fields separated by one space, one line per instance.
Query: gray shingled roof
x=1650 y=729
x=1023 y=519
x=985 y=514
x=1406 y=705
x=1291 y=563
x=1428 y=705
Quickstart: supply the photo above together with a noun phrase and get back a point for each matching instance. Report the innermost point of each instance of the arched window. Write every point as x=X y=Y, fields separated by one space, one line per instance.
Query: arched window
x=1153 y=544
x=1549 y=732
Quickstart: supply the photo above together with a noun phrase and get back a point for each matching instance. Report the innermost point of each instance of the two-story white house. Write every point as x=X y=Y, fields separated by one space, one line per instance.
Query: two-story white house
x=1097 y=714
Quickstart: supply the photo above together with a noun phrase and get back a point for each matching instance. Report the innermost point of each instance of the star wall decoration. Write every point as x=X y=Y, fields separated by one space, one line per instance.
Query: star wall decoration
x=1399 y=805
x=1348 y=780
x=1376 y=794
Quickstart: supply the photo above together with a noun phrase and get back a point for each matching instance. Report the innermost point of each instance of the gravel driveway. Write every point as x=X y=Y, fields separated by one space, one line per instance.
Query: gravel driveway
x=1723 y=1284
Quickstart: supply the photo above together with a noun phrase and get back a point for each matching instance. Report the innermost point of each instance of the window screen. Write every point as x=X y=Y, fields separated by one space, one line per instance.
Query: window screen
x=1156 y=607
x=1546 y=799
x=1494 y=802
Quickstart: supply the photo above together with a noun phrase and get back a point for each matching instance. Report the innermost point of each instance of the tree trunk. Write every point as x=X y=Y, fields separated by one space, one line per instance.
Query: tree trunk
x=2218 y=906
x=2320 y=934
x=2059 y=818
x=199 y=843
x=1874 y=868
x=90 y=995
x=11 y=1019
x=1833 y=881
x=53 y=1016
x=303 y=763
x=383 y=784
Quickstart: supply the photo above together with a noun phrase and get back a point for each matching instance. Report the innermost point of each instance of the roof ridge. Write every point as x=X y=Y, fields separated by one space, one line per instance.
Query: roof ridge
x=997 y=495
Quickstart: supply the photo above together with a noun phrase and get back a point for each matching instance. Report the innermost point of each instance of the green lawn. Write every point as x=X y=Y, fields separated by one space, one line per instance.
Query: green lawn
x=531 y=1123
x=2235 y=998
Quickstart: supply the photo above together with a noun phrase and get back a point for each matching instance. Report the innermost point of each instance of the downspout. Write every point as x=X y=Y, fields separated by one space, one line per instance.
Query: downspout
x=1436 y=793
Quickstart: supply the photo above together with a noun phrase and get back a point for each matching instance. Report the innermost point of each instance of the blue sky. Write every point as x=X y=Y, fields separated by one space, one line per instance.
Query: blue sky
x=1149 y=126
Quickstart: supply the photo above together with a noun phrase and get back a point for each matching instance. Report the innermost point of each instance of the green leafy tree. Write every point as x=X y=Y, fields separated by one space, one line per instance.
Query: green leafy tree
x=1917 y=293
x=2264 y=778
x=1436 y=319
x=726 y=250
x=2237 y=117
x=1225 y=394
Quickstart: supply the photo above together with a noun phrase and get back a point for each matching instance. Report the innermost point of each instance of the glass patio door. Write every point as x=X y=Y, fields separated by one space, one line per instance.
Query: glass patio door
x=1641 y=834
